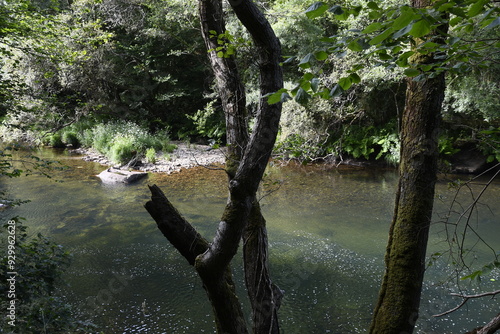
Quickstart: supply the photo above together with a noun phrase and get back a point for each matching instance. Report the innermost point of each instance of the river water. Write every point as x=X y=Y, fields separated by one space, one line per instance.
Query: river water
x=327 y=230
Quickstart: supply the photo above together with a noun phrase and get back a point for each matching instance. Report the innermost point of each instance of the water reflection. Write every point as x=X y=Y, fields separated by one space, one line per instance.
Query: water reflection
x=327 y=230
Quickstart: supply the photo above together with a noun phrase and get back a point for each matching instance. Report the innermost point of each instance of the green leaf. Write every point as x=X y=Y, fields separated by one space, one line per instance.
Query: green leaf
x=306 y=61
x=476 y=8
x=411 y=72
x=355 y=78
x=315 y=84
x=336 y=91
x=321 y=55
x=447 y=5
x=316 y=9
x=457 y=11
x=307 y=76
x=372 y=5
x=420 y=28
x=384 y=56
x=406 y=17
x=302 y=96
x=336 y=10
x=403 y=31
x=381 y=37
x=275 y=97
x=375 y=14
x=345 y=83
x=372 y=27
x=426 y=68
x=355 y=46
x=474 y=275
x=494 y=23
x=454 y=21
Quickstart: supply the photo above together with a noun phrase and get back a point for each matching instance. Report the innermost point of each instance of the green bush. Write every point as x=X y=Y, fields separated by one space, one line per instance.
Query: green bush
x=55 y=140
x=370 y=143
x=209 y=122
x=122 y=149
x=151 y=155
x=70 y=138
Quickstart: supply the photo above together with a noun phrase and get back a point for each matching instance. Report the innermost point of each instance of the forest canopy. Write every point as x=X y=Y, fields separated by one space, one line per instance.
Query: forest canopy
x=71 y=67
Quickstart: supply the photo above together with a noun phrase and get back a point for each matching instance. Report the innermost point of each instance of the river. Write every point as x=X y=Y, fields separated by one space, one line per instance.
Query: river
x=327 y=230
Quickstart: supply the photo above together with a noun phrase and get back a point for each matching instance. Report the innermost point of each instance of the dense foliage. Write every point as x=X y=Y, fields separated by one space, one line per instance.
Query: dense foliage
x=90 y=63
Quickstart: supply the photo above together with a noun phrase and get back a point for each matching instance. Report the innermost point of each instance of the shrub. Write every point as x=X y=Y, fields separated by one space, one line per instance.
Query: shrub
x=55 y=140
x=122 y=149
x=151 y=155
x=70 y=138
x=210 y=122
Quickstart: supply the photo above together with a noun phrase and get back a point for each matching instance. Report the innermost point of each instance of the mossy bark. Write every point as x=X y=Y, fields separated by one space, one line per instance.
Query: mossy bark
x=396 y=311
x=397 y=308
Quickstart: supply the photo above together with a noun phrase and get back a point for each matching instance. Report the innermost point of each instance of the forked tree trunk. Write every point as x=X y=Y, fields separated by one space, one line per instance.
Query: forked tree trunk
x=397 y=307
x=247 y=161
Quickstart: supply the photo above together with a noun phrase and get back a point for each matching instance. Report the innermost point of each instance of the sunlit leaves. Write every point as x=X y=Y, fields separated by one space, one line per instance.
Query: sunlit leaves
x=403 y=36
x=405 y=18
x=372 y=28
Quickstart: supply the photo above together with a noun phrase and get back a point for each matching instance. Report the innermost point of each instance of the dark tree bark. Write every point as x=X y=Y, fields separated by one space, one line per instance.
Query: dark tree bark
x=230 y=89
x=247 y=160
x=399 y=297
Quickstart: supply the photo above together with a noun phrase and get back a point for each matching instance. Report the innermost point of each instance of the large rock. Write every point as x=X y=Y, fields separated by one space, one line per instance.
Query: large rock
x=115 y=175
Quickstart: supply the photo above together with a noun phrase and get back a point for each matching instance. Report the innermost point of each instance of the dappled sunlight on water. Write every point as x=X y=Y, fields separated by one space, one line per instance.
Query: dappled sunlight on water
x=327 y=229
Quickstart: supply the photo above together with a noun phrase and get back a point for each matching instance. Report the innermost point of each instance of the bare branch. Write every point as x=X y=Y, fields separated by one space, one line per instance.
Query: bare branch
x=466 y=299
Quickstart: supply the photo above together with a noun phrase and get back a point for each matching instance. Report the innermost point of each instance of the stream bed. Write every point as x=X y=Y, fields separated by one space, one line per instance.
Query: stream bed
x=327 y=229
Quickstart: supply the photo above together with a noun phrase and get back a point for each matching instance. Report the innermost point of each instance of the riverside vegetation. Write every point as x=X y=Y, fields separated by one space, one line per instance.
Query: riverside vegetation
x=125 y=77
x=95 y=78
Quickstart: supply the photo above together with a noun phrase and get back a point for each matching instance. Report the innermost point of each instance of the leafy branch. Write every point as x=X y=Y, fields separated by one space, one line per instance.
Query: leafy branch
x=414 y=39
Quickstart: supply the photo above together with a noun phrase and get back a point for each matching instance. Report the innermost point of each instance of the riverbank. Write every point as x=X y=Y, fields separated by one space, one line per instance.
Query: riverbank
x=185 y=155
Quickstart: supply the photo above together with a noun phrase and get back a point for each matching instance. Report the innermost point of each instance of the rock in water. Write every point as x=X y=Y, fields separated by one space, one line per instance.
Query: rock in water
x=114 y=175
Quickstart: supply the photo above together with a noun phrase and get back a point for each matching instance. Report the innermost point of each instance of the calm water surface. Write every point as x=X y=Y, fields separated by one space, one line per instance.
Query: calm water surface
x=327 y=229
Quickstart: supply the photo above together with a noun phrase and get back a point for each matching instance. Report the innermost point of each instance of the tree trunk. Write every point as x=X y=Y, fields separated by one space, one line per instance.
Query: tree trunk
x=399 y=297
x=248 y=160
x=265 y=297
x=229 y=87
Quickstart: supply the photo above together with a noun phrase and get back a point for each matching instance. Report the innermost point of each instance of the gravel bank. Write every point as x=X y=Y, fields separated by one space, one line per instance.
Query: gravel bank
x=184 y=156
